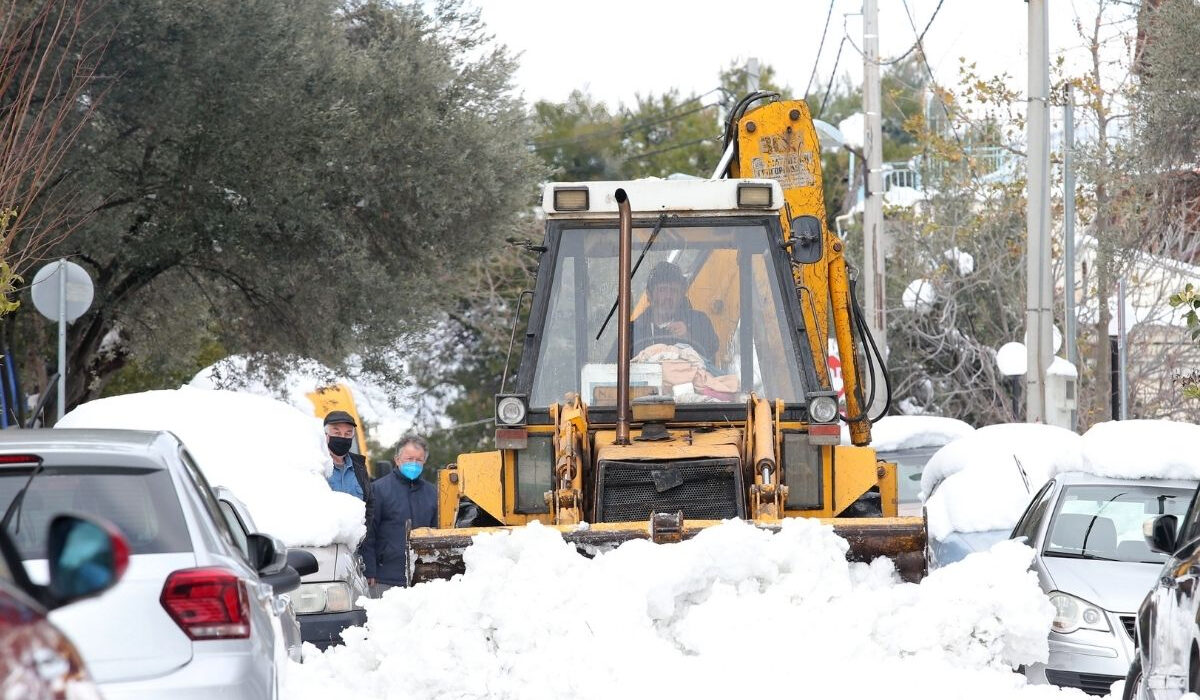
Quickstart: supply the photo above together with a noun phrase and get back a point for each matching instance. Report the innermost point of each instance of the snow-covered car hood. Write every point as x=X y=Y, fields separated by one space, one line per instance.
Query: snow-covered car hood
x=1116 y=586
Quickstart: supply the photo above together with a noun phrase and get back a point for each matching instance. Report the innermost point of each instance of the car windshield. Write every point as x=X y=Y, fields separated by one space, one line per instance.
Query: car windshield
x=709 y=323
x=141 y=502
x=1105 y=521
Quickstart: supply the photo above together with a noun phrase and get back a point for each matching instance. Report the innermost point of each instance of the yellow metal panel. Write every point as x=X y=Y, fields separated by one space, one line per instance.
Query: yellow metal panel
x=677 y=448
x=723 y=436
x=889 y=489
x=479 y=480
x=854 y=472
x=447 y=497
x=716 y=292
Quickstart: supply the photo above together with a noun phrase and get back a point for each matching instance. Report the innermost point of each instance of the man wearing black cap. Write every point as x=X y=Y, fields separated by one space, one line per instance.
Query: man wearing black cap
x=349 y=473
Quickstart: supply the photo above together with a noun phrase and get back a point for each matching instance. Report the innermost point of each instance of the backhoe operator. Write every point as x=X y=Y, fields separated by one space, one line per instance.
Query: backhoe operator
x=670 y=317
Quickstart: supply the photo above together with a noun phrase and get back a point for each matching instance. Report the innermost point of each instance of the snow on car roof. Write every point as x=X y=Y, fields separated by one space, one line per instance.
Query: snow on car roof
x=271 y=455
x=973 y=484
x=1140 y=449
x=910 y=432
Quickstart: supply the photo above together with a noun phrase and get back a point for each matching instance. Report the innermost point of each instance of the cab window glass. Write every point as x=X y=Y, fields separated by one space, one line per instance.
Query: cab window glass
x=236 y=528
x=709 y=323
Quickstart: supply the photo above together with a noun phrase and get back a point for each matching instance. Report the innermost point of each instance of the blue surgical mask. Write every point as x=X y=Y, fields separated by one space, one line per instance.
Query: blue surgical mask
x=411 y=470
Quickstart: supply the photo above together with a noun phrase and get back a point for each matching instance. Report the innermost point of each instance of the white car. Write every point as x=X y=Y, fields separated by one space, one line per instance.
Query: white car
x=195 y=616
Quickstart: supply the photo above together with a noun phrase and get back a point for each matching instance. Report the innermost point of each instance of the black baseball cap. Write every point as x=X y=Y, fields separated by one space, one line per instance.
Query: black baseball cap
x=339 y=417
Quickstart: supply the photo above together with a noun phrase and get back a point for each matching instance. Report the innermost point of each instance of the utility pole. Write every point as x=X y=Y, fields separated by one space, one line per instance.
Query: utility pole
x=874 y=290
x=1038 y=288
x=752 y=75
x=1070 y=342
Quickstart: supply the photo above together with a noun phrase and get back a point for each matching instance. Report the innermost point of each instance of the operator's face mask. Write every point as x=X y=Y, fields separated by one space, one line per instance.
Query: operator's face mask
x=411 y=469
x=339 y=445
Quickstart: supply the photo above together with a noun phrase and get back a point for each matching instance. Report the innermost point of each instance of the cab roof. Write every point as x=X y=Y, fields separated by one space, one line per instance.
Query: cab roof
x=654 y=196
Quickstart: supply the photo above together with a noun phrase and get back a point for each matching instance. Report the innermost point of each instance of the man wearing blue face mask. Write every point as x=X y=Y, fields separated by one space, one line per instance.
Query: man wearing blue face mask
x=403 y=500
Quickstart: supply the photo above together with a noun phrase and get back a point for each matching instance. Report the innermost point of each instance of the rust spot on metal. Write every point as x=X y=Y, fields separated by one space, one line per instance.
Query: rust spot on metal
x=794 y=115
x=880 y=472
x=751 y=127
x=837 y=247
x=454 y=478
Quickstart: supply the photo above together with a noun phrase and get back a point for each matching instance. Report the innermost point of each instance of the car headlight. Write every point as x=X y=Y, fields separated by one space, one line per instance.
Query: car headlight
x=1071 y=613
x=823 y=409
x=313 y=598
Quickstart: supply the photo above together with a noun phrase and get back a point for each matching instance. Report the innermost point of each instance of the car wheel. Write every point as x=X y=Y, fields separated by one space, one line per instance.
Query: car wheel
x=1133 y=680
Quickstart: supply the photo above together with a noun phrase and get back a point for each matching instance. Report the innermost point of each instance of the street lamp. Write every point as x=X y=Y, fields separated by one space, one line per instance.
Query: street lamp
x=1013 y=361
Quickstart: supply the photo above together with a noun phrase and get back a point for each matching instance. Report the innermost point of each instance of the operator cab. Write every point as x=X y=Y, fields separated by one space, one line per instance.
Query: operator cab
x=714 y=311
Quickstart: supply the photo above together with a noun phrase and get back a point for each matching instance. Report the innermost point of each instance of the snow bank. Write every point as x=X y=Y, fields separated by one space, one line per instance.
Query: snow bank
x=978 y=484
x=1143 y=449
x=385 y=424
x=269 y=454
x=910 y=432
x=734 y=607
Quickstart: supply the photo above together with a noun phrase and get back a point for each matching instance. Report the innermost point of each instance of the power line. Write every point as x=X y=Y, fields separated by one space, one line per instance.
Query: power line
x=671 y=148
x=933 y=82
x=820 y=47
x=626 y=128
x=832 y=77
x=920 y=37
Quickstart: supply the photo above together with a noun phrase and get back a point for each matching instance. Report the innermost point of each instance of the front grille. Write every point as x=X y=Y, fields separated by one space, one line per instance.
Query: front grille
x=1090 y=683
x=704 y=489
x=1130 y=623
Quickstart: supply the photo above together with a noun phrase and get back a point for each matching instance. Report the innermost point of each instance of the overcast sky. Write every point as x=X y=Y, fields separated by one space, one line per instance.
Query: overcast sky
x=620 y=48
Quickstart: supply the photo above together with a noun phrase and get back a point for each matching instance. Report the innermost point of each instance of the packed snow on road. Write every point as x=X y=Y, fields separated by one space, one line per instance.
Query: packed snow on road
x=732 y=609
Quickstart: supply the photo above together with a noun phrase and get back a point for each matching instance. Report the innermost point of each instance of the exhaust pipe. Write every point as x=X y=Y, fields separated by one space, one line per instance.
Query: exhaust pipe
x=624 y=342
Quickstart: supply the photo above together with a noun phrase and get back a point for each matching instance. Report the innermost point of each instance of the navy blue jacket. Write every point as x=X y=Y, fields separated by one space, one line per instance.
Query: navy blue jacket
x=399 y=501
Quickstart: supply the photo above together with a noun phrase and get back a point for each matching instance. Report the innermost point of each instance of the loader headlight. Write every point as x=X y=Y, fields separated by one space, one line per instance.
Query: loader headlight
x=822 y=409
x=510 y=410
x=570 y=198
x=1071 y=613
x=754 y=195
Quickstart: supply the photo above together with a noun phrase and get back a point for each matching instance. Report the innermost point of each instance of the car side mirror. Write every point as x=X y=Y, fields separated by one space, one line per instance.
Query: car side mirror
x=806 y=239
x=268 y=555
x=302 y=561
x=85 y=557
x=1161 y=533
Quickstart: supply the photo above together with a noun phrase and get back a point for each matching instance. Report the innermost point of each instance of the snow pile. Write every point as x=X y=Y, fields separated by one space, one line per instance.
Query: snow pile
x=1143 y=449
x=736 y=605
x=974 y=484
x=910 y=432
x=384 y=423
x=272 y=456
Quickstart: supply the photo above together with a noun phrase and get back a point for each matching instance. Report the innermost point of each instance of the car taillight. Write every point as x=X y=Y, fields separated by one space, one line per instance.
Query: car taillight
x=207 y=603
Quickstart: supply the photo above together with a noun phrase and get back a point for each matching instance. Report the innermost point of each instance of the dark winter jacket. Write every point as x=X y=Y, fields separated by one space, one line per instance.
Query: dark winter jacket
x=700 y=335
x=364 y=481
x=399 y=502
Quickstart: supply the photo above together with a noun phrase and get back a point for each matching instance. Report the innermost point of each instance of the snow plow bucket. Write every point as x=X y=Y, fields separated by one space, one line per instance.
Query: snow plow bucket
x=437 y=553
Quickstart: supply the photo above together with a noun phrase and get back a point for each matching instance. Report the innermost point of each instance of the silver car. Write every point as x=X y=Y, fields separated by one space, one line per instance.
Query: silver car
x=327 y=602
x=193 y=617
x=1096 y=567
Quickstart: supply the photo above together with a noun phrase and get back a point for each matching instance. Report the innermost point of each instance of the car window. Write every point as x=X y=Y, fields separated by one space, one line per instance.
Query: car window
x=235 y=527
x=1105 y=521
x=142 y=503
x=1035 y=513
x=206 y=496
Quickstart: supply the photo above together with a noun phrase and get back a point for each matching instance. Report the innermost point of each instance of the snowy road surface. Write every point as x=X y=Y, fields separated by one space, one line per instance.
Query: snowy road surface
x=733 y=610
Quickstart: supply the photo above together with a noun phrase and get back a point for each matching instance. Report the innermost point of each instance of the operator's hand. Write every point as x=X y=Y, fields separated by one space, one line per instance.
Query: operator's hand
x=678 y=329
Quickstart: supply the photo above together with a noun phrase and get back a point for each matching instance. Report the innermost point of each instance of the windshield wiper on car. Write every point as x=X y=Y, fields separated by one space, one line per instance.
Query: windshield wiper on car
x=649 y=242
x=1079 y=555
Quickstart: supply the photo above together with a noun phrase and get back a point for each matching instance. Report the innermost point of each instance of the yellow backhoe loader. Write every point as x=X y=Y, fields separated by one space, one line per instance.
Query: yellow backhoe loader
x=675 y=367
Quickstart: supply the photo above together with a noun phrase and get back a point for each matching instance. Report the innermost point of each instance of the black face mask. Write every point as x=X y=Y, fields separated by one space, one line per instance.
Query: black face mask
x=339 y=445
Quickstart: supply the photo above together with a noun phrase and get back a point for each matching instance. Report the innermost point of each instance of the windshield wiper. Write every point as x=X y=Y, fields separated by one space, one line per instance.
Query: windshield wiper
x=1079 y=555
x=14 y=508
x=649 y=242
